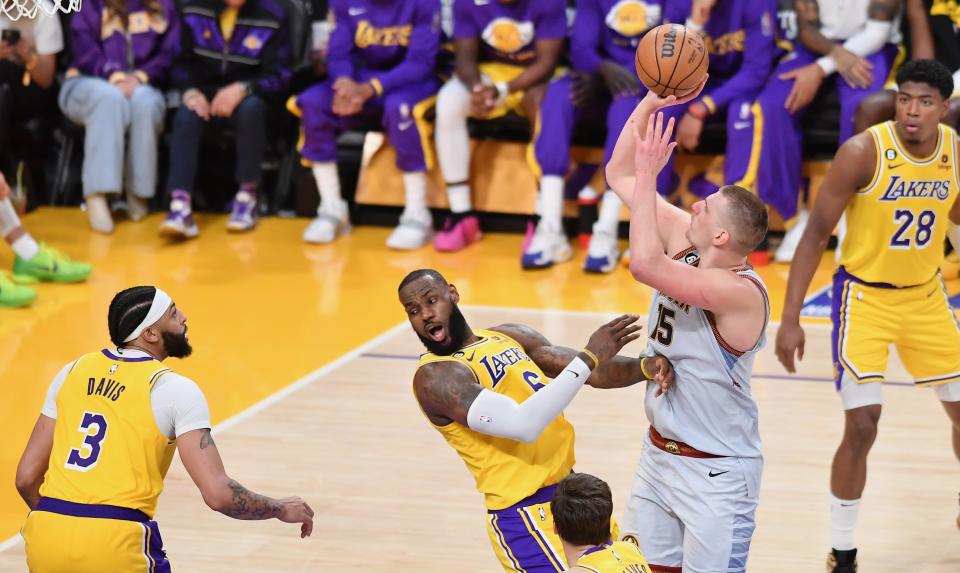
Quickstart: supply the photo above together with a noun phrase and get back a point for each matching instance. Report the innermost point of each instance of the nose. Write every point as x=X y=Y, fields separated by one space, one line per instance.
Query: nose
x=913 y=108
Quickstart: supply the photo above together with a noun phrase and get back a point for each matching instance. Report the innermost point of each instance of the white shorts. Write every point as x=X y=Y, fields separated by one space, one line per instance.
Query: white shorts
x=857 y=395
x=694 y=513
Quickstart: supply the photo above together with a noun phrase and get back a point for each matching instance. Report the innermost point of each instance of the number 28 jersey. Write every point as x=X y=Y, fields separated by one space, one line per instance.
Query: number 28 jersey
x=896 y=225
x=107 y=448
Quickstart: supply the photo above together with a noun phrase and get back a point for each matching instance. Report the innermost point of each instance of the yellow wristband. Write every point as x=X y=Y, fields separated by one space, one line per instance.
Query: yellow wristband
x=643 y=368
x=592 y=356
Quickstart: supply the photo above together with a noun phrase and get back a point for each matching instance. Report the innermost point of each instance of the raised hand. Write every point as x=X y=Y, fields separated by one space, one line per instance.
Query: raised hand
x=657 y=102
x=607 y=340
x=295 y=510
x=653 y=150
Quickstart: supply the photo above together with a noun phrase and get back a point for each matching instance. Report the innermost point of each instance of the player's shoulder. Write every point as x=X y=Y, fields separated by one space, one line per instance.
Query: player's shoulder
x=521 y=334
x=170 y=381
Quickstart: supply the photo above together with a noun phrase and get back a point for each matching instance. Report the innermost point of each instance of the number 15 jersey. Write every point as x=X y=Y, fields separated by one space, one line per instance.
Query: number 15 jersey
x=896 y=225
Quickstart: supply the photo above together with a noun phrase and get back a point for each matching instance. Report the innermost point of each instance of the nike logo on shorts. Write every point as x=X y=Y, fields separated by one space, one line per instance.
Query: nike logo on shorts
x=713 y=475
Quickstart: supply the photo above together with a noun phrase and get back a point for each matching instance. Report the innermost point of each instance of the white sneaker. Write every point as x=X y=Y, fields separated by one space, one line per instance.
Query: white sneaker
x=325 y=228
x=136 y=207
x=99 y=213
x=547 y=248
x=791 y=239
x=412 y=233
x=603 y=252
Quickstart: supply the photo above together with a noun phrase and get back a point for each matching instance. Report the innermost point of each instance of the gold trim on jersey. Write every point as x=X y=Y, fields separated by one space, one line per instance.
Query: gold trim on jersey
x=878 y=167
x=906 y=154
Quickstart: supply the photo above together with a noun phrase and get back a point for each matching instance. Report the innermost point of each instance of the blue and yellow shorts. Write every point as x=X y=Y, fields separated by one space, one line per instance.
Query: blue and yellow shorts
x=67 y=537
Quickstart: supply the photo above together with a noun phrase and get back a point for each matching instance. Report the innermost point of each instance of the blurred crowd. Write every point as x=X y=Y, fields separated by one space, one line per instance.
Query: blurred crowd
x=149 y=79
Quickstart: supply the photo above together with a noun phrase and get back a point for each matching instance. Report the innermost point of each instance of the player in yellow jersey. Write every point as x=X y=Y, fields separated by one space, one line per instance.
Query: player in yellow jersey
x=94 y=465
x=898 y=184
x=487 y=392
x=582 y=508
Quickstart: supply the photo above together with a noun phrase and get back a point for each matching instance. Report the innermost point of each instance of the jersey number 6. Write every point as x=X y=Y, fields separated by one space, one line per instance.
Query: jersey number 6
x=94 y=428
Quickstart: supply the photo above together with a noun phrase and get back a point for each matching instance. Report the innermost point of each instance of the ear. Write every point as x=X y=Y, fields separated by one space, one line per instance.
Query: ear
x=721 y=238
x=151 y=334
x=454 y=295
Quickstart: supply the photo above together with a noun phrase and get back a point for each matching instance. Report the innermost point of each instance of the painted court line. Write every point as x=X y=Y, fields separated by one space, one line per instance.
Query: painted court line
x=279 y=394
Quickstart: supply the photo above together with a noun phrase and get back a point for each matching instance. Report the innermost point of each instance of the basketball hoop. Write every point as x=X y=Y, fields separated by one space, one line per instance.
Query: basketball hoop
x=16 y=9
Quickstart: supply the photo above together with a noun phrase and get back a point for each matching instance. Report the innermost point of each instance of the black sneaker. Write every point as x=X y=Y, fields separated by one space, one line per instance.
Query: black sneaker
x=842 y=561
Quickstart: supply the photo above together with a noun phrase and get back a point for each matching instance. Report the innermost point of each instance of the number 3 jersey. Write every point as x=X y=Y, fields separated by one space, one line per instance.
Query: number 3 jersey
x=710 y=405
x=107 y=447
x=896 y=225
x=507 y=471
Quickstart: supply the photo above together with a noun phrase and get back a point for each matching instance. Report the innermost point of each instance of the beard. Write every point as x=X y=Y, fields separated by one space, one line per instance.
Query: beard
x=457 y=331
x=176 y=345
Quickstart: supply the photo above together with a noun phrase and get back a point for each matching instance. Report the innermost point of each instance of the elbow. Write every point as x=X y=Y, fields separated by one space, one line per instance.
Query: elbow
x=219 y=501
x=642 y=267
x=528 y=435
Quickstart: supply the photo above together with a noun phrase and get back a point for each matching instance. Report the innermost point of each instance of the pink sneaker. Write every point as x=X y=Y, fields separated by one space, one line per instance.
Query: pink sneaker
x=457 y=236
x=528 y=236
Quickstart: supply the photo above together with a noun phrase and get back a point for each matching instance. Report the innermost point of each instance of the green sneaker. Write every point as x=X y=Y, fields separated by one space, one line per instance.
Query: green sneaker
x=51 y=265
x=14 y=295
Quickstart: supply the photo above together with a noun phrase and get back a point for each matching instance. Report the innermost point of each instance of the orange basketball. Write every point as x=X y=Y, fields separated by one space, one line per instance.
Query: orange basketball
x=671 y=60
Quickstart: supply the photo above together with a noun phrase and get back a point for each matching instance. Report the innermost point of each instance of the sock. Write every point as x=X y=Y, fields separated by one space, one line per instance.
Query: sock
x=328 y=183
x=610 y=208
x=459 y=196
x=415 y=191
x=843 y=520
x=180 y=201
x=9 y=221
x=25 y=247
x=551 y=202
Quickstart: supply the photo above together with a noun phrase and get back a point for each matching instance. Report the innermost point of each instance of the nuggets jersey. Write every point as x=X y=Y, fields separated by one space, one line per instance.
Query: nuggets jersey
x=617 y=557
x=710 y=407
x=507 y=471
x=107 y=449
x=896 y=225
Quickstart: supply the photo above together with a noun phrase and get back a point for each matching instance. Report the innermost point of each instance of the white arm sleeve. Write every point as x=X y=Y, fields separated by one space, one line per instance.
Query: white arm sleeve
x=870 y=39
x=48 y=35
x=498 y=415
x=50 y=402
x=178 y=405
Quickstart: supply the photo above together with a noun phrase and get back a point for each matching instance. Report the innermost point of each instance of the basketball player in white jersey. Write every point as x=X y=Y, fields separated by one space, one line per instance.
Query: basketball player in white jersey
x=694 y=496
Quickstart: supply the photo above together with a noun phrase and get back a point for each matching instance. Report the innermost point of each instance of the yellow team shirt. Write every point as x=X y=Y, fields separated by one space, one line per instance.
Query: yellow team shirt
x=228 y=22
x=107 y=448
x=896 y=225
x=617 y=557
x=507 y=471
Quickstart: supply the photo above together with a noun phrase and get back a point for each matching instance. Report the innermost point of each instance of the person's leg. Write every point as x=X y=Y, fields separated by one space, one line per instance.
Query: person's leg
x=404 y=121
x=104 y=112
x=250 y=119
x=551 y=152
x=318 y=147
x=147 y=107
x=873 y=109
x=184 y=151
x=453 y=153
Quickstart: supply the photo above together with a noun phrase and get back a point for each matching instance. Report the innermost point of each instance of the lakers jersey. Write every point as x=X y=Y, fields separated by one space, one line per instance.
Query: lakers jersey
x=507 y=471
x=617 y=557
x=896 y=225
x=107 y=448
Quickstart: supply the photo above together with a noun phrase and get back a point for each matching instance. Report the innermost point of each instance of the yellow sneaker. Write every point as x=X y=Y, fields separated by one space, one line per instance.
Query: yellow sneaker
x=13 y=295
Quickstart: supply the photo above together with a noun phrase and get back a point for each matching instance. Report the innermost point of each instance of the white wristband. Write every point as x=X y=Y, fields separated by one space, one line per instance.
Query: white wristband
x=827 y=64
x=693 y=26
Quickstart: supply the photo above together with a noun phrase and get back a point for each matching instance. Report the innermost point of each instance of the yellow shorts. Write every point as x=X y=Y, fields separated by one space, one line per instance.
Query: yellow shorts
x=918 y=320
x=498 y=72
x=523 y=538
x=59 y=539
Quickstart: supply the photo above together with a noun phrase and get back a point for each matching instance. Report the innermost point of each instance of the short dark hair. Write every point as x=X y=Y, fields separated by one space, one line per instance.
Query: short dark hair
x=420 y=273
x=127 y=310
x=930 y=72
x=748 y=214
x=582 y=507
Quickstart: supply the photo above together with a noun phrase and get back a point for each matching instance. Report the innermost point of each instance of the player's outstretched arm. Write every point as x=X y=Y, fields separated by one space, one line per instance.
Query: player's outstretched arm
x=34 y=461
x=617 y=372
x=221 y=493
x=448 y=391
x=852 y=169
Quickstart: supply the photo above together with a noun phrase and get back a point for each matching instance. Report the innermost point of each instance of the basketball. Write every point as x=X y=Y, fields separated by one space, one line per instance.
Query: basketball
x=671 y=60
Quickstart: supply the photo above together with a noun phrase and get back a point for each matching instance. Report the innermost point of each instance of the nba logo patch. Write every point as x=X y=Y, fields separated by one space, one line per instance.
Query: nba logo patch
x=252 y=43
x=543 y=515
x=113 y=368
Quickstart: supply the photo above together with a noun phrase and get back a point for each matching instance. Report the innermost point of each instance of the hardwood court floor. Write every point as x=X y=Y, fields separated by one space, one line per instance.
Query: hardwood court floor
x=266 y=310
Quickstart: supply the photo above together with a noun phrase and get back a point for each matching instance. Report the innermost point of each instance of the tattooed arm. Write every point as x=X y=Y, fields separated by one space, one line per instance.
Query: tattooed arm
x=618 y=372
x=221 y=493
x=808 y=25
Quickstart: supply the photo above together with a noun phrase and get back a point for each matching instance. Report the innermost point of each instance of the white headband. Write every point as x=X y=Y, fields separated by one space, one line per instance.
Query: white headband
x=161 y=302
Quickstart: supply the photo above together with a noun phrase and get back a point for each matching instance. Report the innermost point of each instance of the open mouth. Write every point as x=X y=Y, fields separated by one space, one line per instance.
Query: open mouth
x=911 y=128
x=436 y=332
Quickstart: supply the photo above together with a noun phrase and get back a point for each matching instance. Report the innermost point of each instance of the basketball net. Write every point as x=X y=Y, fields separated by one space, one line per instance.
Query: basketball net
x=16 y=9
